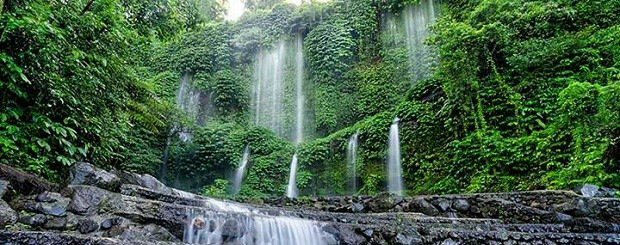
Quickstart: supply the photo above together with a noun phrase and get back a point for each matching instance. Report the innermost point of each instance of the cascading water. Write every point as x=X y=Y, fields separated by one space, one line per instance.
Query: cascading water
x=229 y=223
x=352 y=160
x=268 y=92
x=291 y=189
x=418 y=19
x=411 y=31
x=241 y=170
x=395 y=177
x=299 y=91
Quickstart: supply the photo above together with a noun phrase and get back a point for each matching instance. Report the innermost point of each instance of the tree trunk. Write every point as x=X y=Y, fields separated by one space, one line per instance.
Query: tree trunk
x=24 y=183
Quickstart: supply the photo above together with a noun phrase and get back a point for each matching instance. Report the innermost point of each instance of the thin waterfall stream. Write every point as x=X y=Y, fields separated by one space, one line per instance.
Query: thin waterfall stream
x=352 y=161
x=395 y=175
x=241 y=171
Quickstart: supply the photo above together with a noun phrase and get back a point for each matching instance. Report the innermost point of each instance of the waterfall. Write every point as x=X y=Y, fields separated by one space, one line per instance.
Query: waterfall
x=352 y=160
x=410 y=31
x=417 y=20
x=268 y=89
x=196 y=104
x=291 y=190
x=241 y=170
x=395 y=177
x=299 y=86
x=229 y=223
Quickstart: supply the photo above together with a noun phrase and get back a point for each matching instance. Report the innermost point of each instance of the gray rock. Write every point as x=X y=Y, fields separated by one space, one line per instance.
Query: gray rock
x=86 y=199
x=49 y=197
x=143 y=180
x=83 y=173
x=460 y=205
x=33 y=220
x=588 y=190
x=148 y=233
x=608 y=192
x=368 y=233
x=54 y=207
x=58 y=209
x=56 y=223
x=231 y=230
x=4 y=187
x=357 y=207
x=8 y=216
x=444 y=205
x=421 y=205
x=449 y=242
x=54 y=238
x=87 y=225
x=402 y=239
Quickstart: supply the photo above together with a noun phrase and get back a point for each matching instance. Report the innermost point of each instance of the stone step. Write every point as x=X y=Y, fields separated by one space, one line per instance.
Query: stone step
x=55 y=238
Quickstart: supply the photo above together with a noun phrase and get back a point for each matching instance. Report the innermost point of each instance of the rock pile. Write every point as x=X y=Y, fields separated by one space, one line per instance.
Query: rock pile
x=101 y=207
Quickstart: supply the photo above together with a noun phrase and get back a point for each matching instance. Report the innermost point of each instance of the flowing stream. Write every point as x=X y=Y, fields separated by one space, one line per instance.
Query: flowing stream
x=241 y=171
x=395 y=175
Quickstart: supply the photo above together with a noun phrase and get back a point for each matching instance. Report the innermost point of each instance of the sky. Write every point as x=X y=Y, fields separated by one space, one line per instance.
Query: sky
x=237 y=7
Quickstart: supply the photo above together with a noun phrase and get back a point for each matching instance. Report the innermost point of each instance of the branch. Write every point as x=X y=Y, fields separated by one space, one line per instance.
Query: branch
x=87 y=7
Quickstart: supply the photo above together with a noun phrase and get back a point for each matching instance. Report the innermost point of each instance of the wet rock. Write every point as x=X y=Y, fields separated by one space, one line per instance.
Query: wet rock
x=231 y=230
x=357 y=207
x=4 y=187
x=148 y=233
x=449 y=242
x=83 y=173
x=402 y=239
x=33 y=220
x=143 y=180
x=421 y=205
x=54 y=207
x=49 y=197
x=383 y=202
x=460 y=205
x=87 y=225
x=443 y=205
x=8 y=216
x=54 y=238
x=108 y=223
x=56 y=223
x=86 y=199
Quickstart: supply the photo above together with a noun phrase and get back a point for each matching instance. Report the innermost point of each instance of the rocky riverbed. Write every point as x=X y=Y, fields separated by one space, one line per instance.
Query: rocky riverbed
x=101 y=207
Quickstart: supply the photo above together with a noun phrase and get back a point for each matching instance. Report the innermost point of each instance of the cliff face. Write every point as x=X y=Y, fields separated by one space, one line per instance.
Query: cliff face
x=100 y=207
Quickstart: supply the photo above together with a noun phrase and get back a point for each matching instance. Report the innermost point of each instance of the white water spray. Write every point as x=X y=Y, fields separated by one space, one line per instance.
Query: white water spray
x=299 y=91
x=231 y=223
x=241 y=171
x=352 y=160
x=268 y=92
x=291 y=189
x=395 y=176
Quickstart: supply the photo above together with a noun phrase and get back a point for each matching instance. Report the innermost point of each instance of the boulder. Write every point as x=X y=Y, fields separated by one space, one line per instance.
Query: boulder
x=460 y=205
x=86 y=199
x=24 y=183
x=422 y=206
x=33 y=220
x=87 y=225
x=56 y=223
x=143 y=180
x=8 y=216
x=83 y=173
